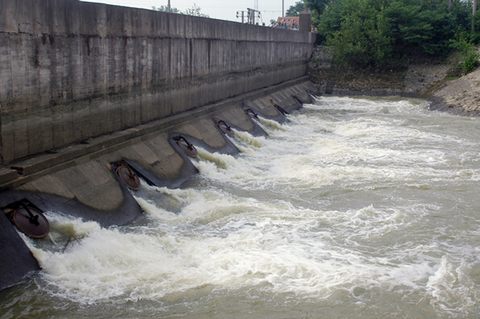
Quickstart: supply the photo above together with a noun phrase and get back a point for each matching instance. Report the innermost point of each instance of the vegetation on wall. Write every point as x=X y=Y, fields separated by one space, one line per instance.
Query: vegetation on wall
x=389 y=33
x=193 y=11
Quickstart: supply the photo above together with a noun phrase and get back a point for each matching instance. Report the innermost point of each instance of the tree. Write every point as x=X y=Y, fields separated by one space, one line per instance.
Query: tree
x=195 y=11
x=358 y=33
x=165 y=9
x=296 y=9
x=387 y=33
x=474 y=13
x=317 y=6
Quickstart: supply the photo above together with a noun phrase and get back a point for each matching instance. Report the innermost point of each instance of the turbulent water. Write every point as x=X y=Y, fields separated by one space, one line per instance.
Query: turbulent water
x=355 y=208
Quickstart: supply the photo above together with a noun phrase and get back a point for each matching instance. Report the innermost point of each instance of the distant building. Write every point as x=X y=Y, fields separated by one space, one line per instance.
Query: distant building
x=291 y=23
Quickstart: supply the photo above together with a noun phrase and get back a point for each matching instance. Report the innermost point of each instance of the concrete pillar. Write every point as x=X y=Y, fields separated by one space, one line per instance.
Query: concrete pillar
x=305 y=21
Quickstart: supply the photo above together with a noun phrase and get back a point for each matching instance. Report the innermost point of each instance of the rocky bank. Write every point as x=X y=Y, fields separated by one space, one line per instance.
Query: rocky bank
x=462 y=93
x=426 y=79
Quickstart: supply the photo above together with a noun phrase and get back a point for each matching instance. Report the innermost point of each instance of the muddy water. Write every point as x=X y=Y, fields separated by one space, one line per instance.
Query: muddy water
x=356 y=208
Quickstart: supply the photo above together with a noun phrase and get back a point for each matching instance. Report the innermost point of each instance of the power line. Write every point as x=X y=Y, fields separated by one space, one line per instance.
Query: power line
x=253 y=15
x=241 y=14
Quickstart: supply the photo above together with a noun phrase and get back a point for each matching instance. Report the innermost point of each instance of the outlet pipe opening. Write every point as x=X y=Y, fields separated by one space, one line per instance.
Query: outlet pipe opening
x=279 y=108
x=224 y=127
x=252 y=113
x=187 y=147
x=123 y=170
x=296 y=98
x=28 y=219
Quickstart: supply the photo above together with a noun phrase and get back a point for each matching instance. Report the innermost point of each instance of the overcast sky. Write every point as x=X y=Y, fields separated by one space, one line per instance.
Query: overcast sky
x=218 y=9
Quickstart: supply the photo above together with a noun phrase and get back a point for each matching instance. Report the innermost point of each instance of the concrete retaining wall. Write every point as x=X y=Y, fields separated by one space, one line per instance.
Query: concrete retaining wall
x=78 y=180
x=88 y=180
x=70 y=70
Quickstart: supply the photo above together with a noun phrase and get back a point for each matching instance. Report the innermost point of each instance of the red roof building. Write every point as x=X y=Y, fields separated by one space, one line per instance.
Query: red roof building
x=291 y=23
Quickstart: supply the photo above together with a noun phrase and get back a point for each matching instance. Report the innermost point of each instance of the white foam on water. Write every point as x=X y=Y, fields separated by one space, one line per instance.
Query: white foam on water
x=452 y=289
x=242 y=227
x=155 y=210
x=270 y=125
x=370 y=105
x=248 y=139
x=70 y=226
x=235 y=244
x=220 y=160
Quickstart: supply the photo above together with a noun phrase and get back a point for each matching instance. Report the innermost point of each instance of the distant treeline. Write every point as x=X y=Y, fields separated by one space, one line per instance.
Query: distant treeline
x=390 y=33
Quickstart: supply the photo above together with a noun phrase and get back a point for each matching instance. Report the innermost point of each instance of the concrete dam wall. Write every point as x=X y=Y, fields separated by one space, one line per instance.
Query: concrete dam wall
x=95 y=97
x=70 y=70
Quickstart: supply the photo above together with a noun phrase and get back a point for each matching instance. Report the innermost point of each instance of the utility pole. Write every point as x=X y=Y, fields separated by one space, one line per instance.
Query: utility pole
x=283 y=8
x=169 y=6
x=241 y=14
x=252 y=14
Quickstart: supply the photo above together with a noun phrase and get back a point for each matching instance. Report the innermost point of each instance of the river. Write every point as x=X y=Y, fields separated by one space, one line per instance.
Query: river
x=355 y=208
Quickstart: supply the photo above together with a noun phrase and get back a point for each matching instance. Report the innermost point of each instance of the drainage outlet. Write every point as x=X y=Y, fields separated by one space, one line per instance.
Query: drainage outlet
x=224 y=127
x=127 y=175
x=28 y=219
x=281 y=109
x=296 y=98
x=187 y=147
x=251 y=113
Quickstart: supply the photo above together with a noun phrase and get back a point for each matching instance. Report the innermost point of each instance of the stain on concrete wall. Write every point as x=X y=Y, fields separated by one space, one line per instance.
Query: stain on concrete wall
x=70 y=70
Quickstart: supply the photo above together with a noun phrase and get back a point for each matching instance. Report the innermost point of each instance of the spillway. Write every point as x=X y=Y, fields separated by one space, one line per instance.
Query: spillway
x=353 y=208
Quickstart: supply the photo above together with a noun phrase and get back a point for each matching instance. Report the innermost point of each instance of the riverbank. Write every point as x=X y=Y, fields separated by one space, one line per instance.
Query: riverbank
x=433 y=80
x=461 y=94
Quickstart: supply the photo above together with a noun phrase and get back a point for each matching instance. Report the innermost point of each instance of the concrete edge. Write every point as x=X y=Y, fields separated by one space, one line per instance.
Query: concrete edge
x=43 y=164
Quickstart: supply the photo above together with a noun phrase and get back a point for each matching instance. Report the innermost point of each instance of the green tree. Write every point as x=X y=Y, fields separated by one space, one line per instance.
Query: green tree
x=474 y=14
x=296 y=9
x=418 y=28
x=317 y=6
x=476 y=36
x=385 y=33
x=358 y=32
x=469 y=56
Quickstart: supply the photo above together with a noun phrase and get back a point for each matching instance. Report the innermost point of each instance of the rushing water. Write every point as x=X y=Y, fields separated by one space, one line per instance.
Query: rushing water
x=356 y=208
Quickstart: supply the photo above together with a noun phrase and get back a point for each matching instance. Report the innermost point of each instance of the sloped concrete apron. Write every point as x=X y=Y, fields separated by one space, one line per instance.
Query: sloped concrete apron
x=84 y=186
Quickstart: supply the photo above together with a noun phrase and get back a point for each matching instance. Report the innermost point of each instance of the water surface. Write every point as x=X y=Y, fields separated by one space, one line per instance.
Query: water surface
x=356 y=208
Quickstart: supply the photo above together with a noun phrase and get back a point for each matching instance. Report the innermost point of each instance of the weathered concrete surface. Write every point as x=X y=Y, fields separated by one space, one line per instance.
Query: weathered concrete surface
x=82 y=172
x=93 y=84
x=17 y=260
x=78 y=180
x=72 y=70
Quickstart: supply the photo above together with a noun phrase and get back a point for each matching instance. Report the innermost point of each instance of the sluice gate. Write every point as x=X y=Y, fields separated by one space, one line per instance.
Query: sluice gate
x=95 y=98
x=99 y=185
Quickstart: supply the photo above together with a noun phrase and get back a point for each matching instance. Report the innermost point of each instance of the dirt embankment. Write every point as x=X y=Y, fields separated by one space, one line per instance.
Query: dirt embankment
x=428 y=79
x=462 y=93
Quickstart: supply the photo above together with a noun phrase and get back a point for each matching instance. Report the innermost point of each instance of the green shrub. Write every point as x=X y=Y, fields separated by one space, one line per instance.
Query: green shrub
x=386 y=33
x=469 y=56
x=476 y=35
x=362 y=38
